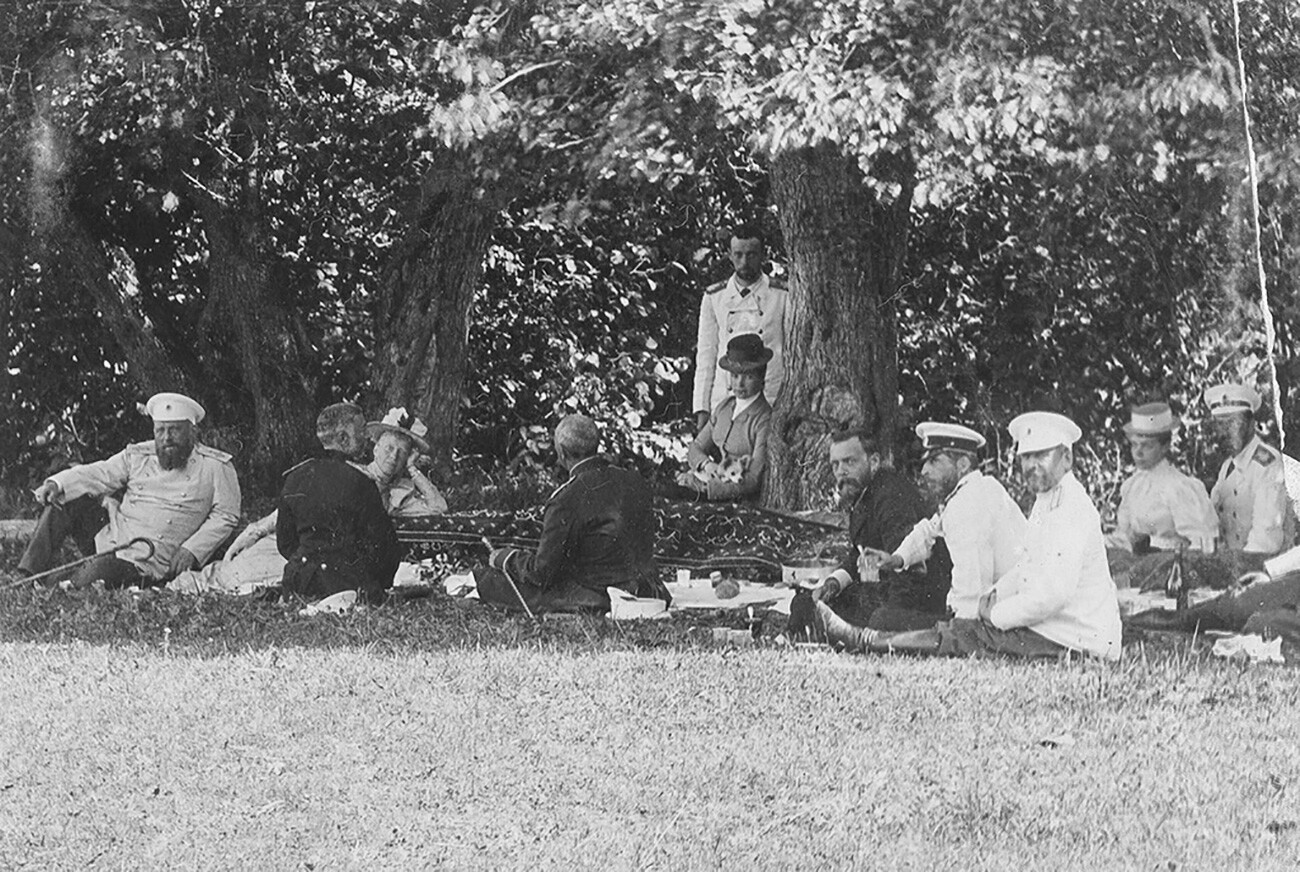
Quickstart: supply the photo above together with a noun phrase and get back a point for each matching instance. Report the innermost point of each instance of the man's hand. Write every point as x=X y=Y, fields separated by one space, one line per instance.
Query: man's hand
x=701 y=419
x=1250 y=578
x=497 y=559
x=986 y=606
x=892 y=563
x=49 y=493
x=182 y=560
x=828 y=589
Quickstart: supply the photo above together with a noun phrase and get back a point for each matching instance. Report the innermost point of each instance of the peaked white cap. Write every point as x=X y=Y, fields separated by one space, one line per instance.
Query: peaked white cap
x=1039 y=431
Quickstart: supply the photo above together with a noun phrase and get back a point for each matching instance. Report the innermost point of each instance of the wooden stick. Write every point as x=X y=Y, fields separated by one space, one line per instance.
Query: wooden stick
x=523 y=602
x=19 y=582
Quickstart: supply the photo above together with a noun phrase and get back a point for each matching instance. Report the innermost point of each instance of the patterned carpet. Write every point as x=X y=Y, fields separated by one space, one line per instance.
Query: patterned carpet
x=696 y=536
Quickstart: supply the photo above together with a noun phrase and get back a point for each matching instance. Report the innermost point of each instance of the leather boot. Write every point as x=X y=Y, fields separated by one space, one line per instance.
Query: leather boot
x=1163 y=620
x=839 y=632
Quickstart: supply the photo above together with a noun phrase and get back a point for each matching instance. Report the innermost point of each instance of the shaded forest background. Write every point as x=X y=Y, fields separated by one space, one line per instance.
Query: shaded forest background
x=492 y=214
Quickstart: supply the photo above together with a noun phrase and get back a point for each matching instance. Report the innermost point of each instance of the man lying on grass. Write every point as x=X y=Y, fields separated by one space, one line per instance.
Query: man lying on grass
x=1058 y=597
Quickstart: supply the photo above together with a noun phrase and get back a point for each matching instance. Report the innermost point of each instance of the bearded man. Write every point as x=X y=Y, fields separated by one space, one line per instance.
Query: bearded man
x=180 y=495
x=980 y=524
x=884 y=505
x=1057 y=598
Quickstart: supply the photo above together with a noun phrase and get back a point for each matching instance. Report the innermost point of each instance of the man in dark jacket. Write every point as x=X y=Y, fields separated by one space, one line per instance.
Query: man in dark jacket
x=598 y=531
x=884 y=505
x=332 y=527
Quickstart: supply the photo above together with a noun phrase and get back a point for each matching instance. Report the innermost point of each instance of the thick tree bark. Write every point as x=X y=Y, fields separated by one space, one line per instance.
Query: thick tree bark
x=252 y=327
x=425 y=303
x=61 y=238
x=846 y=251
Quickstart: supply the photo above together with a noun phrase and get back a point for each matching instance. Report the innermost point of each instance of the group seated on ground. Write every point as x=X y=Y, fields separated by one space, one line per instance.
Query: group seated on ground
x=973 y=577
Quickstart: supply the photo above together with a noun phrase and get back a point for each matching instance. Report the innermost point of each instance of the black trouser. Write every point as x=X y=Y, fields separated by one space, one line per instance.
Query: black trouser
x=81 y=519
x=494 y=588
x=1269 y=601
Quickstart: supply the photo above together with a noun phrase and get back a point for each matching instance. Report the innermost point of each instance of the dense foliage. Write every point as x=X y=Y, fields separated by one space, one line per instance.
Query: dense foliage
x=214 y=196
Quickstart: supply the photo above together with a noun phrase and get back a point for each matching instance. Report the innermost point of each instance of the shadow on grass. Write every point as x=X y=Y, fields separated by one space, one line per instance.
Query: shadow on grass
x=215 y=624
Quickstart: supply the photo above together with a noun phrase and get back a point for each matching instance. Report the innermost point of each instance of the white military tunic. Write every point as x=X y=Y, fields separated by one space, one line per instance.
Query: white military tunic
x=1251 y=501
x=1162 y=502
x=984 y=530
x=195 y=507
x=1061 y=588
x=726 y=313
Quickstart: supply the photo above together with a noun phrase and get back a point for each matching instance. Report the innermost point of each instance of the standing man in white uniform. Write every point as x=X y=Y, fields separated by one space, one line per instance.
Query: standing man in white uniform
x=747 y=302
x=1250 y=493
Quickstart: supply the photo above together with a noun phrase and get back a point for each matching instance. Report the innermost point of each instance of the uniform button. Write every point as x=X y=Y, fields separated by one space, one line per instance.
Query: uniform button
x=322 y=566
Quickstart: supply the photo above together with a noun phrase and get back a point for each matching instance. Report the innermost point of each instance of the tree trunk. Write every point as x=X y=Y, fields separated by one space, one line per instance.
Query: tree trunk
x=425 y=302
x=846 y=251
x=61 y=238
x=258 y=333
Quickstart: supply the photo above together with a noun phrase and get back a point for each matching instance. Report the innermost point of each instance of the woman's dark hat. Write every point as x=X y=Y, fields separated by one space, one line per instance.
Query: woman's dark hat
x=745 y=353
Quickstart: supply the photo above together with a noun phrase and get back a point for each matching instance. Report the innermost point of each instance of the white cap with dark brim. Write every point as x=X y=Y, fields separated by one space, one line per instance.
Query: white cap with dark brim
x=173 y=407
x=1039 y=431
x=1232 y=399
x=937 y=436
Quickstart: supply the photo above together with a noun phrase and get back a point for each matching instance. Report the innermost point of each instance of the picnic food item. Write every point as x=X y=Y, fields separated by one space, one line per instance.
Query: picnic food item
x=727 y=588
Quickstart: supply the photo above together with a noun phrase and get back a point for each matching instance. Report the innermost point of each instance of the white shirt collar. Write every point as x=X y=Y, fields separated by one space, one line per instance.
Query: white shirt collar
x=742 y=405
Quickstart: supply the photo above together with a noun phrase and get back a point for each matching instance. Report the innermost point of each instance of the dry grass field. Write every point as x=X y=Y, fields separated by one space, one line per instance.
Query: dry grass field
x=558 y=756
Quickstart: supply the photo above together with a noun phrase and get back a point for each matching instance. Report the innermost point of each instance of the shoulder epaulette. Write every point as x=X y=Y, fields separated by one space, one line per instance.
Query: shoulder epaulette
x=1263 y=456
x=774 y=286
x=207 y=451
x=714 y=288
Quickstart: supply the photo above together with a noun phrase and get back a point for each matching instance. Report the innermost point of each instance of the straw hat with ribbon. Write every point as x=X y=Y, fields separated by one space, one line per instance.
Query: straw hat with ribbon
x=398 y=421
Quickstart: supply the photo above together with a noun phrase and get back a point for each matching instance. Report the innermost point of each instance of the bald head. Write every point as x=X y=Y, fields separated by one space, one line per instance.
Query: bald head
x=576 y=438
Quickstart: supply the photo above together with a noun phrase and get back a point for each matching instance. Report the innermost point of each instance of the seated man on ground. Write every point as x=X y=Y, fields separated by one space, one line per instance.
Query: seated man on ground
x=728 y=458
x=884 y=505
x=1250 y=497
x=180 y=495
x=253 y=559
x=1058 y=597
x=331 y=526
x=982 y=527
x=598 y=531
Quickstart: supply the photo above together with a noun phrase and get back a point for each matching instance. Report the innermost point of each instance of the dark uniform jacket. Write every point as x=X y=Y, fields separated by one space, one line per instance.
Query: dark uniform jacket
x=598 y=531
x=881 y=518
x=333 y=530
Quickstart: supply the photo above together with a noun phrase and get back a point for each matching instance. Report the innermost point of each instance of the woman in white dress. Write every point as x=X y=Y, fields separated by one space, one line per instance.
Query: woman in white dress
x=253 y=559
x=1161 y=508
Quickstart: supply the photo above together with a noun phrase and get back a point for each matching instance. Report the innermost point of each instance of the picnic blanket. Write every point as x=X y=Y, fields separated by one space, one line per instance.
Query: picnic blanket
x=690 y=535
x=1151 y=571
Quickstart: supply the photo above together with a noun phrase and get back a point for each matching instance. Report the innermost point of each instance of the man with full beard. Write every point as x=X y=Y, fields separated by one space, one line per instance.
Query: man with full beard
x=180 y=495
x=883 y=507
x=1057 y=598
x=982 y=526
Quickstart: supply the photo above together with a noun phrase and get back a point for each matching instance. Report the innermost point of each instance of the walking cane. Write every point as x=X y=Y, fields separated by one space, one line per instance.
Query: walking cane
x=19 y=582
x=523 y=602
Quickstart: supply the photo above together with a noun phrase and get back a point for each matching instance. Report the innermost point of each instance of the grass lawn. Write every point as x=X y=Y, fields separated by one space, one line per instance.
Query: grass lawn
x=610 y=749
